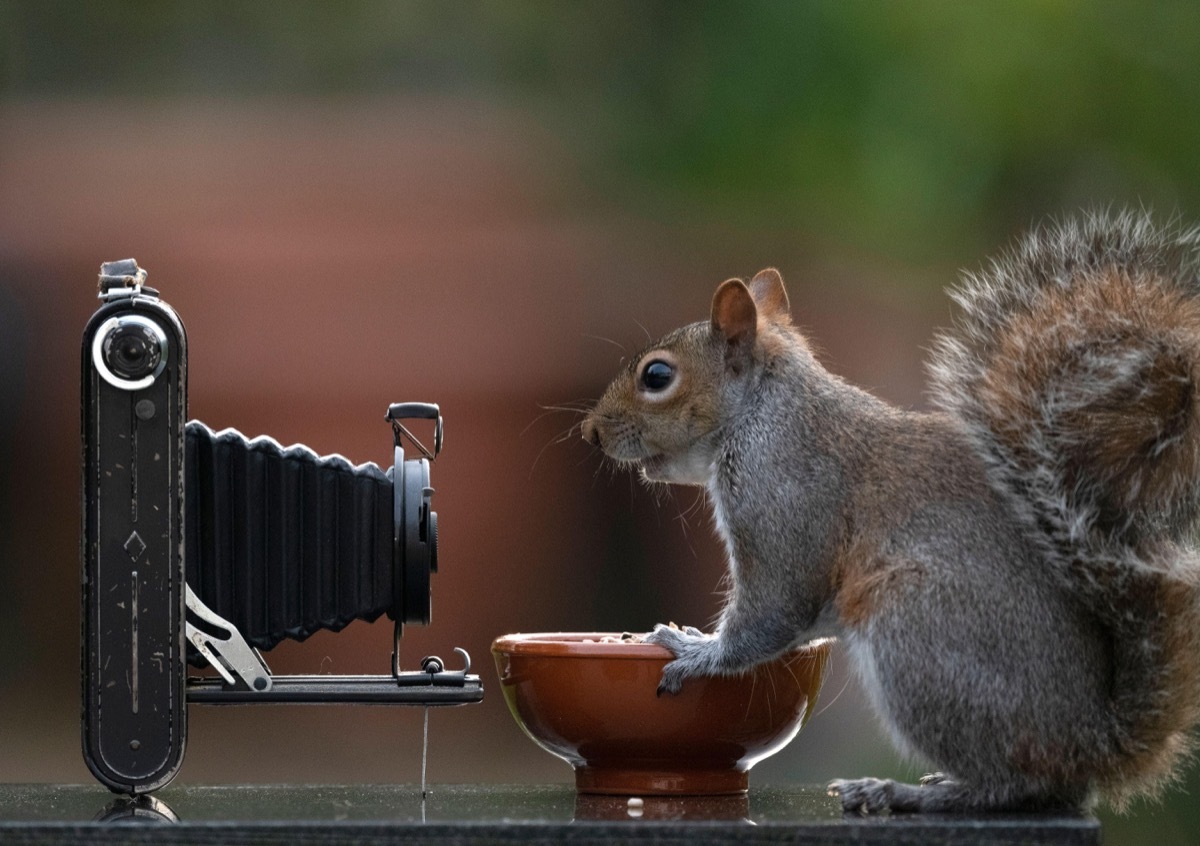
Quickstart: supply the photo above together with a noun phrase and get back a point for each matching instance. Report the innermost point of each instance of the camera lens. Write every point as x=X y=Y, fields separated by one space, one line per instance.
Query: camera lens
x=433 y=541
x=130 y=351
x=415 y=532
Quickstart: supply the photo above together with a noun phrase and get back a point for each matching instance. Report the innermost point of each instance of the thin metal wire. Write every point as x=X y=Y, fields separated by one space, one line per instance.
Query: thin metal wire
x=424 y=756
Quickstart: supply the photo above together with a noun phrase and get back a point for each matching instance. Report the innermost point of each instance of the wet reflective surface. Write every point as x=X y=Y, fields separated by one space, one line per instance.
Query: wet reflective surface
x=483 y=813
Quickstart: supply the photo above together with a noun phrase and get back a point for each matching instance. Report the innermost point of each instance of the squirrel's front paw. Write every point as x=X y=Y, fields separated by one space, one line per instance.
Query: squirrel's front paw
x=675 y=637
x=690 y=646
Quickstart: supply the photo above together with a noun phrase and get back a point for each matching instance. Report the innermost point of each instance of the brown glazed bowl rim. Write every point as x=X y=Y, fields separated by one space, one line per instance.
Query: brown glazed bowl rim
x=573 y=645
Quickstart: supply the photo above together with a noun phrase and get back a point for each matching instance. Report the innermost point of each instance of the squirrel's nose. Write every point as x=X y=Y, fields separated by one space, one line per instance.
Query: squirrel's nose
x=591 y=432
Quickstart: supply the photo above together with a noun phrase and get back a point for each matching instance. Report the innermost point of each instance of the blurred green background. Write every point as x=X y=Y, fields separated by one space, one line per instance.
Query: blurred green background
x=459 y=199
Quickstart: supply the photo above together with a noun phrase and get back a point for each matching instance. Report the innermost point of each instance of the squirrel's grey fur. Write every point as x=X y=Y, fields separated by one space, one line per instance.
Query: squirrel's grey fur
x=1012 y=574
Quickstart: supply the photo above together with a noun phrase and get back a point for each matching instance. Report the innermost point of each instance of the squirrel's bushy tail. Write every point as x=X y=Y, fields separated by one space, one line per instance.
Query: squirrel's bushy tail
x=1075 y=367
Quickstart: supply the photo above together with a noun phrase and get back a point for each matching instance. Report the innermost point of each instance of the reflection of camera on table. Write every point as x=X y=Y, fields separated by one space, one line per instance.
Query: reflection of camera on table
x=205 y=547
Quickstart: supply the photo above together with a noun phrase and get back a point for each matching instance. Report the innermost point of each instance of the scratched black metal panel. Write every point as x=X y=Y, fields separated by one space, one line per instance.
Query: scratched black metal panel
x=134 y=722
x=282 y=542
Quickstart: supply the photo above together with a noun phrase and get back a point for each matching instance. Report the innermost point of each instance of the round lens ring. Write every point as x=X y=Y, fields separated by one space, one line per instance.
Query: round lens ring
x=129 y=352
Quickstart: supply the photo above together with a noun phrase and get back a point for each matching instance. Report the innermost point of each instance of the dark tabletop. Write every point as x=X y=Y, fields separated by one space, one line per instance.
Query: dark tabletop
x=470 y=814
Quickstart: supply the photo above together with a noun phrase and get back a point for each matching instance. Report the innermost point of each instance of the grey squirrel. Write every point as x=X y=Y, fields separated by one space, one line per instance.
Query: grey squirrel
x=1012 y=573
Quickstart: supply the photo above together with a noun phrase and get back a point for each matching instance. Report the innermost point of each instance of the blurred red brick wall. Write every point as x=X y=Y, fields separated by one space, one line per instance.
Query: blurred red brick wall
x=330 y=257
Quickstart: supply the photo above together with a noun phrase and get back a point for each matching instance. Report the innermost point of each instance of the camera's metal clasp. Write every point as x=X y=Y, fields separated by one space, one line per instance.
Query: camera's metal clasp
x=229 y=655
x=434 y=673
x=121 y=279
x=416 y=411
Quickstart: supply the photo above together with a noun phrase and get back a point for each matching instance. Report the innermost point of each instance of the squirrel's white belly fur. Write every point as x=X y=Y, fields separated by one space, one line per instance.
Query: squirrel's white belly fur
x=863 y=661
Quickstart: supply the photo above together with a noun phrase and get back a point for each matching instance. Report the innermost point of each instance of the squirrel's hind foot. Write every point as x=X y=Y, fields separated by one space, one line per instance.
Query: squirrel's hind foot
x=938 y=793
x=935 y=792
x=875 y=795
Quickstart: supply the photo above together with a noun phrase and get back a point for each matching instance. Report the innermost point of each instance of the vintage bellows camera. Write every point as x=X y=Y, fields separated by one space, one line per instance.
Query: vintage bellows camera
x=208 y=548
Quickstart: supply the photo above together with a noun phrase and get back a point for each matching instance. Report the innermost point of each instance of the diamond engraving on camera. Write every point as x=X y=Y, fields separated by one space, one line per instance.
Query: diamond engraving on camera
x=135 y=546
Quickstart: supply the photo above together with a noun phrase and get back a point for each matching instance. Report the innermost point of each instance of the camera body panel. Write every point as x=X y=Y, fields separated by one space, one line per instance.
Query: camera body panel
x=134 y=658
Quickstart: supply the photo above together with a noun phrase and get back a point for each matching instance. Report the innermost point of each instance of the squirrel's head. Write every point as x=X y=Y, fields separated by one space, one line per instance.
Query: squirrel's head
x=663 y=412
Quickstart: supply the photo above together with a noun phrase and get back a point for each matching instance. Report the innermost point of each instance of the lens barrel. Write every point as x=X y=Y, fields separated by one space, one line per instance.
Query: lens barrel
x=130 y=351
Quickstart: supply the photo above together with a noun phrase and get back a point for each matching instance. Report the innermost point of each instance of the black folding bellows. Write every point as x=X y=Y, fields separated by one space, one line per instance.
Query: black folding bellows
x=284 y=542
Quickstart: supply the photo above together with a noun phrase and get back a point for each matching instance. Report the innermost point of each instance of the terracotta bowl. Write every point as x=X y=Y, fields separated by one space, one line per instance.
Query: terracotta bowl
x=594 y=705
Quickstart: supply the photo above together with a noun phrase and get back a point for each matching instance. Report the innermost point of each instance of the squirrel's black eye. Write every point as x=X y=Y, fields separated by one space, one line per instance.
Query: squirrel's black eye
x=657 y=375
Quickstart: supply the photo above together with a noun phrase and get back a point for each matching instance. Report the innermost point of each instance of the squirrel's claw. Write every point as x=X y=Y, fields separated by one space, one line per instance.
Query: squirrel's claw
x=671 y=681
x=682 y=644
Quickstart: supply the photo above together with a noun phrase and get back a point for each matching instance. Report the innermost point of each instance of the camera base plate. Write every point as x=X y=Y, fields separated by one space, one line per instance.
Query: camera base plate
x=410 y=688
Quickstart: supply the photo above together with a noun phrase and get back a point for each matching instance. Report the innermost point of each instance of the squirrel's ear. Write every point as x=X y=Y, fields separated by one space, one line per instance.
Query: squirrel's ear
x=734 y=314
x=769 y=295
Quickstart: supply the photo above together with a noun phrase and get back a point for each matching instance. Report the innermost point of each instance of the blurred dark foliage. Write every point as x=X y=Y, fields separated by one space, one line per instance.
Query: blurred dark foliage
x=915 y=129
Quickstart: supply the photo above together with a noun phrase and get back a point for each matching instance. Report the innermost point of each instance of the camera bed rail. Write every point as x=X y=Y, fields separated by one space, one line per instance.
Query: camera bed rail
x=412 y=688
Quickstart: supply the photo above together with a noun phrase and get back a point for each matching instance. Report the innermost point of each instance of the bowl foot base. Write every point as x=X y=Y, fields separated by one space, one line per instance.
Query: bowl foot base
x=621 y=781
